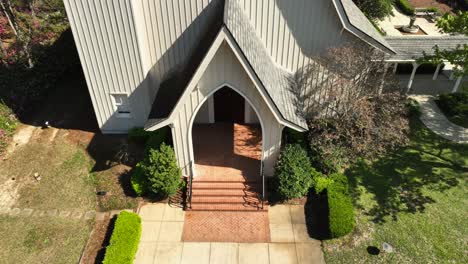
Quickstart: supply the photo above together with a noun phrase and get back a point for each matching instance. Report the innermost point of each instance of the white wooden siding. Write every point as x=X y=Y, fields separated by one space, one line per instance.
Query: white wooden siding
x=130 y=46
x=294 y=31
x=106 y=39
x=225 y=69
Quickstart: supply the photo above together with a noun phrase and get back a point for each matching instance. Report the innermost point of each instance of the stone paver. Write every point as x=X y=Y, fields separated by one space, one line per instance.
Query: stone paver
x=281 y=233
x=279 y=214
x=150 y=231
x=283 y=253
x=309 y=253
x=152 y=212
x=173 y=213
x=290 y=242
x=226 y=253
x=169 y=252
x=171 y=231
x=399 y=19
x=145 y=253
x=297 y=214
x=253 y=253
x=436 y=121
x=196 y=253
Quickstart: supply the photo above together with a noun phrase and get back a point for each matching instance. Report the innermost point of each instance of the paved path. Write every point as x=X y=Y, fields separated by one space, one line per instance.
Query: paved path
x=161 y=240
x=433 y=118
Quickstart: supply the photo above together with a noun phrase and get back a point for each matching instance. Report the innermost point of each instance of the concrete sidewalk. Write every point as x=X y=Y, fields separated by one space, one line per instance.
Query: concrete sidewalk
x=162 y=233
x=436 y=121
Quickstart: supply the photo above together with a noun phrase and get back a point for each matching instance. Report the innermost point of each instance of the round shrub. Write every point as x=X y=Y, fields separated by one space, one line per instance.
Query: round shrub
x=294 y=172
x=340 y=206
x=159 y=170
x=139 y=181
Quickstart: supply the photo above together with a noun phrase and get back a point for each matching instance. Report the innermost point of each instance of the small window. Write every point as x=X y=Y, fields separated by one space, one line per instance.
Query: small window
x=122 y=104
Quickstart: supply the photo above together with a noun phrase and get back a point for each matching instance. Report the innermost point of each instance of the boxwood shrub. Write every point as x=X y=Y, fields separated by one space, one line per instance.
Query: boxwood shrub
x=158 y=174
x=341 y=212
x=124 y=239
x=294 y=173
x=139 y=135
x=151 y=139
x=405 y=7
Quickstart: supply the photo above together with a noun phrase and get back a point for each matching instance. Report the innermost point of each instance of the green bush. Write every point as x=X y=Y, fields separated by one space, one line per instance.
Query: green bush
x=124 y=240
x=138 y=135
x=291 y=136
x=8 y=124
x=341 y=212
x=294 y=173
x=159 y=172
x=162 y=135
x=455 y=107
x=139 y=182
x=405 y=7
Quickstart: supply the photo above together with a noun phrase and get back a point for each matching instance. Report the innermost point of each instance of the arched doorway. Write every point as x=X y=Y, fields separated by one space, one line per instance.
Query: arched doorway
x=227 y=153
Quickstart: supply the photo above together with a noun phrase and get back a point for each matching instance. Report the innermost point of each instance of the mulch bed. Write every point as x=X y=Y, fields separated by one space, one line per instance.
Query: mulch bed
x=97 y=242
x=443 y=6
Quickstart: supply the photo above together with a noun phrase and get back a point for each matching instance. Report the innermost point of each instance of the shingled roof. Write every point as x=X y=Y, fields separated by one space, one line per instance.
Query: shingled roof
x=275 y=80
x=412 y=47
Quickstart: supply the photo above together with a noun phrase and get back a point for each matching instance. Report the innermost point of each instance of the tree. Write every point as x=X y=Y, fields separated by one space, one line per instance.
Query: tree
x=353 y=104
x=375 y=9
x=458 y=57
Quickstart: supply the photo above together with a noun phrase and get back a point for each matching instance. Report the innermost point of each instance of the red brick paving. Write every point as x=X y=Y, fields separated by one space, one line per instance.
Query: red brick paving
x=216 y=226
x=226 y=190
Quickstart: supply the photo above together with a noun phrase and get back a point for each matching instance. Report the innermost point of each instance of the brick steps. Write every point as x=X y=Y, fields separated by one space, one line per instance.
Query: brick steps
x=226 y=196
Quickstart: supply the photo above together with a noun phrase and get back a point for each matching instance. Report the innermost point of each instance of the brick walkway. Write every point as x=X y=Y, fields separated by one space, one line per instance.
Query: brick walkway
x=215 y=226
x=290 y=243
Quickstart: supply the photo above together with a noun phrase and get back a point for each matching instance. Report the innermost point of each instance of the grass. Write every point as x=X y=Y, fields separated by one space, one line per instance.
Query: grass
x=414 y=199
x=65 y=185
x=42 y=240
x=64 y=170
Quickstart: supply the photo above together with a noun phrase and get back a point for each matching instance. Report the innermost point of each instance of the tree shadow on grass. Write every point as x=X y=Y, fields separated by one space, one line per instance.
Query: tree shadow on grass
x=398 y=181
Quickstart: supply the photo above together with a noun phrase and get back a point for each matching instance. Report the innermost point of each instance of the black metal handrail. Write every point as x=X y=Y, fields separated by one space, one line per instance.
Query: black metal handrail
x=189 y=187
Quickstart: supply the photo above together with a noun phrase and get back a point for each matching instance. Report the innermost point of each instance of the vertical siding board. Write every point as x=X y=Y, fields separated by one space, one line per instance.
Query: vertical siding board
x=92 y=58
x=77 y=30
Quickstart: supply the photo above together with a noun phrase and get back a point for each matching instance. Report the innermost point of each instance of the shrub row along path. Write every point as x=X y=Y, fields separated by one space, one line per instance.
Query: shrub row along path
x=436 y=121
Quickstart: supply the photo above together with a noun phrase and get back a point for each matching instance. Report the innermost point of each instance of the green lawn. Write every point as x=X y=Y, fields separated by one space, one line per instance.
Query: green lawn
x=414 y=199
x=65 y=185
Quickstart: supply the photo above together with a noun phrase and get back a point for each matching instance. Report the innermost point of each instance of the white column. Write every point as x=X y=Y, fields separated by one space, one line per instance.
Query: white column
x=452 y=76
x=382 y=82
x=395 y=66
x=457 y=84
x=211 y=111
x=436 y=73
x=413 y=73
x=247 y=111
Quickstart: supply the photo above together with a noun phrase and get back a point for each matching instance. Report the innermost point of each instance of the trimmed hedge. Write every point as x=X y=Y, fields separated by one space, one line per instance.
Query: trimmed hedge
x=341 y=212
x=124 y=240
x=405 y=7
x=294 y=172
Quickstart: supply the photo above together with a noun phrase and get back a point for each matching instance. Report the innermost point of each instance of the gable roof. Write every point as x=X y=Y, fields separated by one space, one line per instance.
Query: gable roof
x=358 y=24
x=274 y=82
x=412 y=48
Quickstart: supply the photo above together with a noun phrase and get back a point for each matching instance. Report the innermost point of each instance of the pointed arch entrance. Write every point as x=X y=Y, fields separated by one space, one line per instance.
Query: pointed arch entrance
x=227 y=153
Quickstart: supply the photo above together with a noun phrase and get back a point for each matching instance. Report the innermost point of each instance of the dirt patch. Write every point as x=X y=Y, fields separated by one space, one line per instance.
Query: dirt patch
x=8 y=193
x=21 y=137
x=98 y=241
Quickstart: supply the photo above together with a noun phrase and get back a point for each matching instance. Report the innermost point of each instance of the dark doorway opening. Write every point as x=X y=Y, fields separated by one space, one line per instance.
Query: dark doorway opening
x=229 y=106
